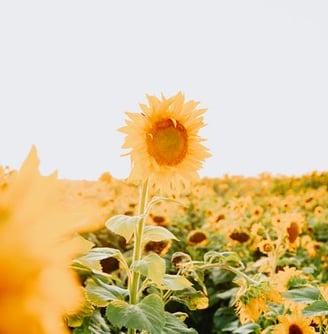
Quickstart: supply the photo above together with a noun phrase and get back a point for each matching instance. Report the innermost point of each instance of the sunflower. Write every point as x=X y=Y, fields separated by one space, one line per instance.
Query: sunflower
x=294 y=323
x=37 y=288
x=252 y=300
x=287 y=278
x=197 y=238
x=159 y=247
x=164 y=144
x=252 y=310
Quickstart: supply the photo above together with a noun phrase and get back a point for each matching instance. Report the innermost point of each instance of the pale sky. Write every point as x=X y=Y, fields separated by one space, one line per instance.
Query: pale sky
x=70 y=69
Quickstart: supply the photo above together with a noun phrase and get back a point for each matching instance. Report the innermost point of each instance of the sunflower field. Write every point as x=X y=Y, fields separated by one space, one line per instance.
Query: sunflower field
x=163 y=251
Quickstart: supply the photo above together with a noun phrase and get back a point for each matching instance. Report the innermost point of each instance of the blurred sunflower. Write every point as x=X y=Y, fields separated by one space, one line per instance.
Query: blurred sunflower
x=287 y=278
x=251 y=310
x=293 y=323
x=37 y=288
x=198 y=238
x=158 y=247
x=252 y=300
x=164 y=142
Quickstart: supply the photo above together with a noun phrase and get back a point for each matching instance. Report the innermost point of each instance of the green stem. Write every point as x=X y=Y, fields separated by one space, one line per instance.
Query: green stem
x=134 y=280
x=137 y=249
x=276 y=252
x=229 y=268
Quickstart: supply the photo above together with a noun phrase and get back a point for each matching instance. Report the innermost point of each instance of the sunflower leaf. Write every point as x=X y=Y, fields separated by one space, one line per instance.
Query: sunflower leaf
x=193 y=299
x=157 y=233
x=316 y=309
x=99 y=253
x=304 y=295
x=175 y=282
x=151 y=266
x=123 y=225
x=148 y=315
x=100 y=294
x=174 y=325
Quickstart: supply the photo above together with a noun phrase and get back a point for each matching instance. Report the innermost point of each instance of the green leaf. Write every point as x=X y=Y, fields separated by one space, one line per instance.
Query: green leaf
x=157 y=233
x=304 y=295
x=100 y=293
x=123 y=225
x=231 y=258
x=248 y=328
x=99 y=253
x=318 y=308
x=225 y=317
x=88 y=269
x=180 y=259
x=175 y=282
x=90 y=263
x=227 y=294
x=320 y=232
x=173 y=325
x=151 y=266
x=147 y=315
x=95 y=324
x=193 y=299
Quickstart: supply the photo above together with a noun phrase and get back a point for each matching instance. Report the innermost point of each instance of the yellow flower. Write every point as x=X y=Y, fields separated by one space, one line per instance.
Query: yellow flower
x=158 y=247
x=318 y=211
x=257 y=211
x=293 y=323
x=251 y=310
x=197 y=238
x=239 y=235
x=164 y=144
x=36 y=248
x=252 y=300
x=311 y=246
x=284 y=279
x=290 y=224
x=266 y=246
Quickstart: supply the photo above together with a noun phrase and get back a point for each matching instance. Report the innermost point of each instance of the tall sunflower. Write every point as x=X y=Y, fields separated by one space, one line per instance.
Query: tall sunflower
x=164 y=144
x=36 y=249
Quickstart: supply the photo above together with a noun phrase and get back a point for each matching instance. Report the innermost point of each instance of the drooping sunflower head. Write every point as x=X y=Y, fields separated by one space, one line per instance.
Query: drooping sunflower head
x=164 y=144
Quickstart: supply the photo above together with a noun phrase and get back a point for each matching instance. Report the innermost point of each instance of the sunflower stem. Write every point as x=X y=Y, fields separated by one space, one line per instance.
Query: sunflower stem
x=229 y=268
x=137 y=248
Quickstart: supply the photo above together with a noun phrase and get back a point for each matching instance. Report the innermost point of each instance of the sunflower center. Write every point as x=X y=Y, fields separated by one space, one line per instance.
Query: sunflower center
x=294 y=329
x=167 y=142
x=197 y=237
x=293 y=232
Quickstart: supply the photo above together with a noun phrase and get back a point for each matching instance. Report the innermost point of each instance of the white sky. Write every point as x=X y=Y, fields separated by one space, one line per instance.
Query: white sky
x=70 y=69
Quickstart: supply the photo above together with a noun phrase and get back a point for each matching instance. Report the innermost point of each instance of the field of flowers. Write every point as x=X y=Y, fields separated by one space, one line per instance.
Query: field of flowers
x=255 y=250
x=163 y=252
